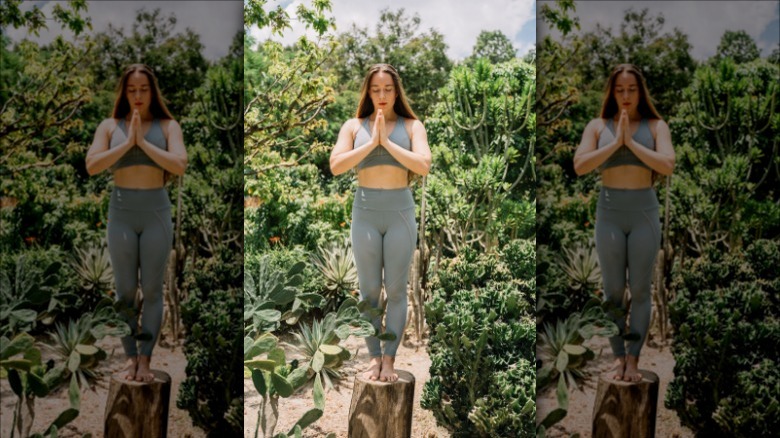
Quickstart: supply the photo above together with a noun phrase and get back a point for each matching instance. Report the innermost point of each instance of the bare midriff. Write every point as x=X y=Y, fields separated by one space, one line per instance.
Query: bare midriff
x=139 y=177
x=626 y=177
x=383 y=177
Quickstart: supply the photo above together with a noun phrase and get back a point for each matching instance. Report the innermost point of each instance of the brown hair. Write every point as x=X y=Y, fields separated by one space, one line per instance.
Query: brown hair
x=609 y=108
x=157 y=106
x=401 y=105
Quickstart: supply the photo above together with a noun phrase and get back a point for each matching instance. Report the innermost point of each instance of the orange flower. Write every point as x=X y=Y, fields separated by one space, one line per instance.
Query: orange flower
x=275 y=239
x=342 y=224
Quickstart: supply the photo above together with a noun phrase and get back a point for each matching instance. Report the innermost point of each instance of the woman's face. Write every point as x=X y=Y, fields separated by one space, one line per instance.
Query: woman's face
x=626 y=92
x=138 y=92
x=382 y=91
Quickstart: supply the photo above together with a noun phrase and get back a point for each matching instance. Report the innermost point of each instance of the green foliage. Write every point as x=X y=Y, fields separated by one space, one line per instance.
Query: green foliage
x=481 y=135
x=493 y=46
x=482 y=334
x=726 y=319
x=420 y=57
x=213 y=391
x=738 y=46
x=336 y=264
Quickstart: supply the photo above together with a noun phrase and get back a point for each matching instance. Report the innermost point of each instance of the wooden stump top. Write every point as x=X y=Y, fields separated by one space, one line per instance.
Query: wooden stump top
x=159 y=377
x=647 y=377
x=404 y=377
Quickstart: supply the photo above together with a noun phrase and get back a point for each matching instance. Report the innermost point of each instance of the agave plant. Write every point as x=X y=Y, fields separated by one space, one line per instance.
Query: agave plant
x=581 y=264
x=318 y=344
x=93 y=266
x=337 y=265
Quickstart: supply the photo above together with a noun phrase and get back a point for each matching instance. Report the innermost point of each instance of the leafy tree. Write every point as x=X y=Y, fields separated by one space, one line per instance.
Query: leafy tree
x=419 y=57
x=493 y=46
x=737 y=45
x=175 y=57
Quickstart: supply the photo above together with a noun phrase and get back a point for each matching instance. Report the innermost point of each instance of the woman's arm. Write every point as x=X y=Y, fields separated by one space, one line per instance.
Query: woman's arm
x=588 y=155
x=174 y=160
x=662 y=158
x=418 y=159
x=344 y=156
x=99 y=156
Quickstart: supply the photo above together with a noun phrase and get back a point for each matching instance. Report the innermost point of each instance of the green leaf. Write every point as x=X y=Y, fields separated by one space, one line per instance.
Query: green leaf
x=261 y=364
x=299 y=376
x=307 y=419
x=574 y=350
x=342 y=331
x=19 y=364
x=562 y=393
x=553 y=417
x=296 y=269
x=317 y=361
x=74 y=393
x=15 y=381
x=39 y=388
x=281 y=385
x=87 y=350
x=331 y=350
x=74 y=360
x=318 y=393
x=277 y=355
x=259 y=381
x=529 y=406
x=562 y=361
x=66 y=417
x=18 y=344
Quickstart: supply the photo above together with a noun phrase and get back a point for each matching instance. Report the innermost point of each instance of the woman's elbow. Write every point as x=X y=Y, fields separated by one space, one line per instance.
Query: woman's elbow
x=335 y=167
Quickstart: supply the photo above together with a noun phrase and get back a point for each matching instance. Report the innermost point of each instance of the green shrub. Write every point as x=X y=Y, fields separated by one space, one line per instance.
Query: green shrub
x=481 y=349
x=726 y=322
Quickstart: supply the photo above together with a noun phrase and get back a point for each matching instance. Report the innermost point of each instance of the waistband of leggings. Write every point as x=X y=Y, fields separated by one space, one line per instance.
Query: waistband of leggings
x=139 y=199
x=383 y=199
x=627 y=199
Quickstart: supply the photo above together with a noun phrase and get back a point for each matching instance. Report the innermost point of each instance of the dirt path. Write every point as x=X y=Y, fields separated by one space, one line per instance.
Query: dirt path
x=578 y=419
x=90 y=419
x=337 y=401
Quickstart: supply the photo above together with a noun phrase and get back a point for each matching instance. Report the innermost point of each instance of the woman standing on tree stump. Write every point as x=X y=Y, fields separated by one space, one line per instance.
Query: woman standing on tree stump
x=142 y=145
x=629 y=143
x=386 y=142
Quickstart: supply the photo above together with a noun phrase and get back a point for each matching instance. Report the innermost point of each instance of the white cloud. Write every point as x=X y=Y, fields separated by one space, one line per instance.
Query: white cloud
x=703 y=21
x=458 y=21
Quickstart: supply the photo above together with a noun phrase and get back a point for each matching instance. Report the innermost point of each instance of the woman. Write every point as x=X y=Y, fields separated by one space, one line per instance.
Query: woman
x=386 y=142
x=628 y=143
x=140 y=144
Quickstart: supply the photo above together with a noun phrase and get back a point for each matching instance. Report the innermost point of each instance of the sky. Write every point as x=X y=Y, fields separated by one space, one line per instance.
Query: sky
x=703 y=21
x=459 y=21
x=215 y=21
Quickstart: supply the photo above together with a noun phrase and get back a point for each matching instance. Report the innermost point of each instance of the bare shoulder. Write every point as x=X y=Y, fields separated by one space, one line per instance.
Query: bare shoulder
x=168 y=124
x=351 y=126
x=107 y=126
x=657 y=125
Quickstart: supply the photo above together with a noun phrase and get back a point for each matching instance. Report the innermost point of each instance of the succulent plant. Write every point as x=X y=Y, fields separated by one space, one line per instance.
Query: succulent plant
x=336 y=263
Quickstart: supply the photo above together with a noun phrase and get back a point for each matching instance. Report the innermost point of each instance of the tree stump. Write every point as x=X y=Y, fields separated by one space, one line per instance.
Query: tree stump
x=137 y=409
x=625 y=409
x=381 y=409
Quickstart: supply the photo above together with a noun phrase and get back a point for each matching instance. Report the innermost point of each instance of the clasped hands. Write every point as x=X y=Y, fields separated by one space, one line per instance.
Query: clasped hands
x=135 y=135
x=379 y=133
x=623 y=131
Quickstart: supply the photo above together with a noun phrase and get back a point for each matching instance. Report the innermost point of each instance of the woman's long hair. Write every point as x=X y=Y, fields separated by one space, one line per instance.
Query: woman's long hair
x=157 y=106
x=401 y=105
x=609 y=108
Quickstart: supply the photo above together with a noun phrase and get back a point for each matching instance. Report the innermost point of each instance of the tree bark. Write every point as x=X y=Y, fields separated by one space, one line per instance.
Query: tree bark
x=380 y=409
x=136 y=409
x=625 y=409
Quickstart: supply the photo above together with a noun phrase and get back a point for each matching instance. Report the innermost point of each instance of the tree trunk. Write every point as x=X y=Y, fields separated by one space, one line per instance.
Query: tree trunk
x=382 y=410
x=625 y=409
x=136 y=409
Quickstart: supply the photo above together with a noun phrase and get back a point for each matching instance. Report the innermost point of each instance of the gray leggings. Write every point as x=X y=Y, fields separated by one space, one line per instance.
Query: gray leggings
x=628 y=235
x=384 y=235
x=140 y=237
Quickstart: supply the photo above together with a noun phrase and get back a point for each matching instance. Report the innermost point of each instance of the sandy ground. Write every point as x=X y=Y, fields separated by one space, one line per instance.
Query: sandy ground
x=93 y=402
x=579 y=417
x=337 y=401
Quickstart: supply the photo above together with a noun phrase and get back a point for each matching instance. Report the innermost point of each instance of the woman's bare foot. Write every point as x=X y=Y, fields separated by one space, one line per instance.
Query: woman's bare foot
x=373 y=369
x=632 y=373
x=619 y=369
x=144 y=373
x=132 y=365
x=388 y=371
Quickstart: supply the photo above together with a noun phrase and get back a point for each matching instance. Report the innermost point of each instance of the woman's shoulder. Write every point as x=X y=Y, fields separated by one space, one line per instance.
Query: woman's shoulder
x=108 y=125
x=596 y=124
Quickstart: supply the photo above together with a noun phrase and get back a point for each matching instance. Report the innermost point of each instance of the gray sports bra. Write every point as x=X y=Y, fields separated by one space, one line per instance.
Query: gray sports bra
x=379 y=155
x=136 y=156
x=623 y=156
